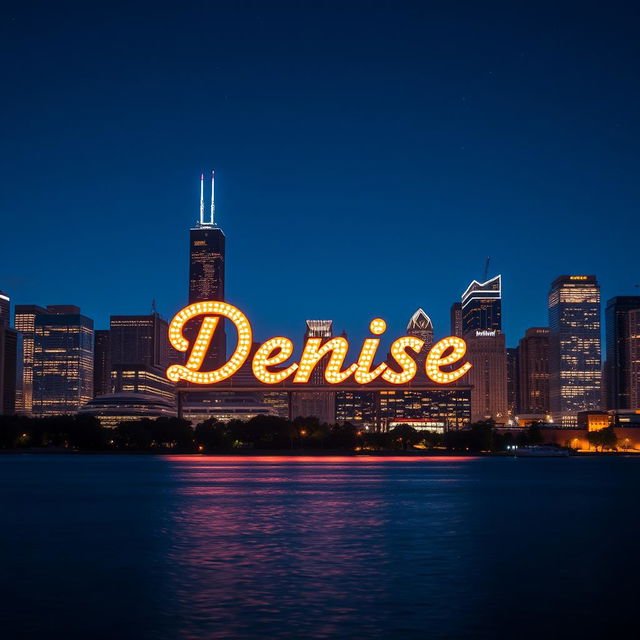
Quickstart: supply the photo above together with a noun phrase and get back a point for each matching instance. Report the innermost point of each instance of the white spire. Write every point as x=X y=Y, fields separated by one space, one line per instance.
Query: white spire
x=213 y=206
x=202 y=198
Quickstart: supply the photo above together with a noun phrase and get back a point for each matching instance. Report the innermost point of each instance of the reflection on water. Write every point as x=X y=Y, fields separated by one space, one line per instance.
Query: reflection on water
x=294 y=547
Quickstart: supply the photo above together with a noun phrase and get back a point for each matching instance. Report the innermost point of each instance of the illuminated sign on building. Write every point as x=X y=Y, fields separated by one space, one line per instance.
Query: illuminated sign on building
x=276 y=351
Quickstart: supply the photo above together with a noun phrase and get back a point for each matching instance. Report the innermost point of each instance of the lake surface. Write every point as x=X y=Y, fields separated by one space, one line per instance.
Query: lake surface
x=222 y=547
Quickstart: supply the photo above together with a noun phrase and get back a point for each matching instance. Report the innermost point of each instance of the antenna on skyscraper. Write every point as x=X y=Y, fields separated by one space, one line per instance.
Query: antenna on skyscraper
x=213 y=206
x=486 y=268
x=202 y=198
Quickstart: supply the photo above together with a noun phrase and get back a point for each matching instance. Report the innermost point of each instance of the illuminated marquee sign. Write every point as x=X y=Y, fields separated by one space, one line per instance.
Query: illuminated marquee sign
x=276 y=351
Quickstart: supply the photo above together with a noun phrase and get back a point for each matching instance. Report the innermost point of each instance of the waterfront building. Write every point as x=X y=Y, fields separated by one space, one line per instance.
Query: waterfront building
x=63 y=361
x=101 y=362
x=486 y=351
x=225 y=406
x=594 y=420
x=618 y=366
x=24 y=322
x=320 y=404
x=456 y=319
x=534 y=371
x=114 y=408
x=481 y=306
x=449 y=405
x=206 y=274
x=574 y=347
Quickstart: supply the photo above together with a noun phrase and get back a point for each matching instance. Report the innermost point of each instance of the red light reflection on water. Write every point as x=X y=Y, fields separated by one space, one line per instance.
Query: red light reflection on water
x=207 y=459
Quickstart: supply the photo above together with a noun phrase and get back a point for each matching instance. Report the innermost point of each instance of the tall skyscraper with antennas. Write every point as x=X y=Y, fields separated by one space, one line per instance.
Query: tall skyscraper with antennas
x=206 y=272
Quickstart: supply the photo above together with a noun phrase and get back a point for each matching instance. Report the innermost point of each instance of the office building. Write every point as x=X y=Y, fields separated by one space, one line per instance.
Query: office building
x=139 y=355
x=486 y=351
x=5 y=310
x=456 y=319
x=449 y=407
x=206 y=276
x=8 y=360
x=533 y=353
x=320 y=404
x=101 y=363
x=633 y=341
x=63 y=361
x=513 y=382
x=617 y=365
x=481 y=306
x=574 y=347
x=25 y=319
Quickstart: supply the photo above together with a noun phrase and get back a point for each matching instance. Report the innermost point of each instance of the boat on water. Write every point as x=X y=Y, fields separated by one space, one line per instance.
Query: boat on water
x=541 y=451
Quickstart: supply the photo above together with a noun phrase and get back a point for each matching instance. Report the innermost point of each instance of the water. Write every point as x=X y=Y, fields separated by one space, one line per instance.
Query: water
x=212 y=547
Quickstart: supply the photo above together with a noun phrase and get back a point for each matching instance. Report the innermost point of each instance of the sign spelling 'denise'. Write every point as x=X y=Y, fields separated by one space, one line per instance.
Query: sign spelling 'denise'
x=278 y=350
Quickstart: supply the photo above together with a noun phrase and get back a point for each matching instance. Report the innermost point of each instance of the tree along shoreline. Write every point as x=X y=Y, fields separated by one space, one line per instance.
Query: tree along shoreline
x=261 y=435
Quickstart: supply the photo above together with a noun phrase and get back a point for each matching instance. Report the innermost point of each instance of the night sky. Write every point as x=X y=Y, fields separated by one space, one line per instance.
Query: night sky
x=368 y=157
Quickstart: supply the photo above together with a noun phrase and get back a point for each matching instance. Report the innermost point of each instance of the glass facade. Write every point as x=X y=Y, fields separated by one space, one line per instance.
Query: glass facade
x=63 y=362
x=206 y=282
x=618 y=365
x=574 y=348
x=25 y=324
x=534 y=371
x=482 y=306
x=451 y=405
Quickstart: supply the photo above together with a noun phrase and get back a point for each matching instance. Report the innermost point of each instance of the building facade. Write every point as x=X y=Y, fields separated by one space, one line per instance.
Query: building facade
x=139 y=355
x=513 y=382
x=617 y=365
x=481 y=306
x=487 y=352
x=101 y=362
x=450 y=406
x=456 y=319
x=534 y=371
x=319 y=404
x=633 y=342
x=63 y=361
x=8 y=361
x=574 y=347
x=25 y=323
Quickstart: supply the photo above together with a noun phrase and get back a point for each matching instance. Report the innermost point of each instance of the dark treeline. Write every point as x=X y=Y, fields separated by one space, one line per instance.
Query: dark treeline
x=261 y=433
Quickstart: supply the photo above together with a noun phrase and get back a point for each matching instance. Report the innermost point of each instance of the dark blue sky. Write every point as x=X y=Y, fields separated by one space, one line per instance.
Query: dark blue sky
x=369 y=157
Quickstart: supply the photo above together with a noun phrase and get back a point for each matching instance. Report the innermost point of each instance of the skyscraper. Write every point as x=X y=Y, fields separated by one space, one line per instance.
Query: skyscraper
x=513 y=381
x=633 y=342
x=5 y=309
x=420 y=326
x=25 y=318
x=534 y=371
x=486 y=351
x=206 y=275
x=617 y=364
x=574 y=347
x=482 y=306
x=101 y=363
x=321 y=404
x=63 y=361
x=8 y=358
x=139 y=352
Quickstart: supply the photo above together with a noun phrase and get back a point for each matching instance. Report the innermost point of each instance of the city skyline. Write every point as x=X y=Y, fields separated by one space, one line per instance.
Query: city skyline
x=320 y=163
x=203 y=226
